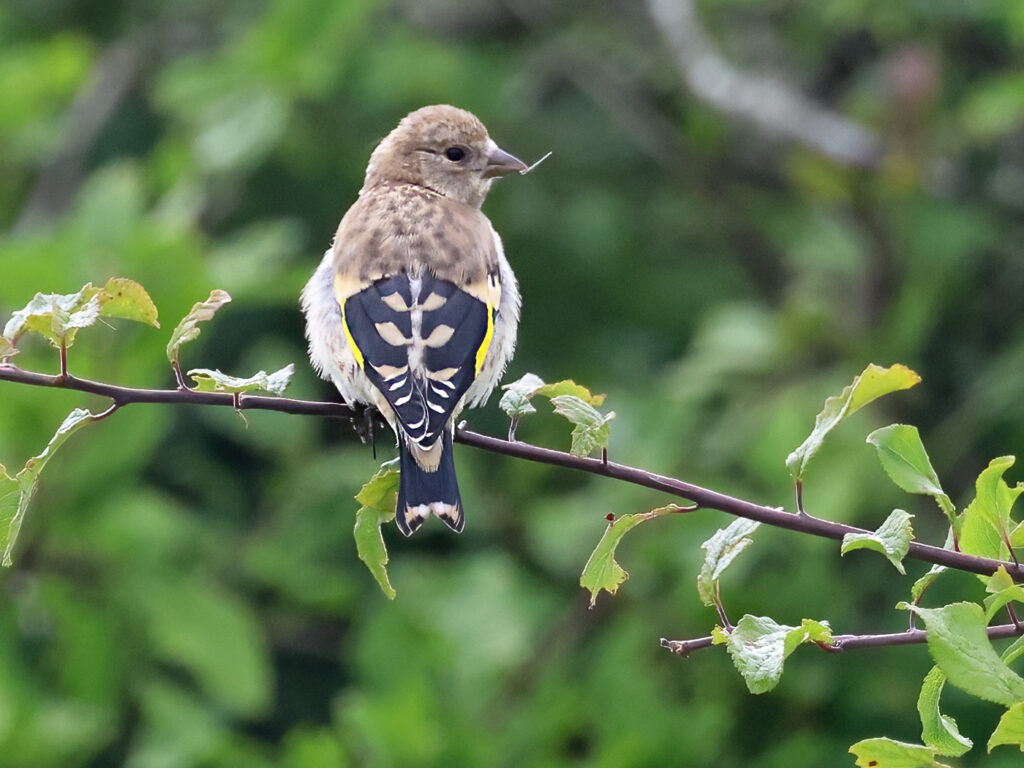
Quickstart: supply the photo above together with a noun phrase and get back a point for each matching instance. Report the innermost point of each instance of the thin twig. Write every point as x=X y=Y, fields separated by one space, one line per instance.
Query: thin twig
x=842 y=643
x=704 y=497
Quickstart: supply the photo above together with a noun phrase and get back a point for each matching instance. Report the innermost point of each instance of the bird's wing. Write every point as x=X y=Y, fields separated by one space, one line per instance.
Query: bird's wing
x=421 y=341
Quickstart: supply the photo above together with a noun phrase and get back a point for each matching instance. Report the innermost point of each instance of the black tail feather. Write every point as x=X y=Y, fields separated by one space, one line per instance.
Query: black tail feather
x=422 y=493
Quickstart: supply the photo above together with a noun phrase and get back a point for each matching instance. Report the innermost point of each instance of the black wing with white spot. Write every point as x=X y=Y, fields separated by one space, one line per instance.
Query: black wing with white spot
x=420 y=342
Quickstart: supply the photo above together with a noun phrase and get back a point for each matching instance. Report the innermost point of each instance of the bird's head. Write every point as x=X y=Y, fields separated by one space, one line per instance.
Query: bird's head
x=442 y=148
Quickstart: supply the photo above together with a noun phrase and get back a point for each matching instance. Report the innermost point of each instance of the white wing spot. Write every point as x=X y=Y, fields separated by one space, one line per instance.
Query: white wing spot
x=390 y=333
x=440 y=336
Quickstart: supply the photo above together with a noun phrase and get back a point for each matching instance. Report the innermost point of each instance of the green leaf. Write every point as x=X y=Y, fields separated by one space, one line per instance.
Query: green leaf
x=377 y=500
x=720 y=550
x=924 y=582
x=905 y=460
x=16 y=492
x=960 y=647
x=516 y=400
x=57 y=317
x=188 y=328
x=917 y=590
x=570 y=387
x=1013 y=651
x=601 y=570
x=871 y=384
x=590 y=426
x=1010 y=730
x=128 y=300
x=7 y=348
x=986 y=524
x=938 y=730
x=892 y=539
x=759 y=647
x=214 y=381
x=888 y=753
x=1002 y=589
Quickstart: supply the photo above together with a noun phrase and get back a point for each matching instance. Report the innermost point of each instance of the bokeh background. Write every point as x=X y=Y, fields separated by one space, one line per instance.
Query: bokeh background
x=747 y=203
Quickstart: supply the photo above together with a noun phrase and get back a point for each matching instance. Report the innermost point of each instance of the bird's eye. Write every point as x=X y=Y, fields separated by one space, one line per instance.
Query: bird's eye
x=455 y=154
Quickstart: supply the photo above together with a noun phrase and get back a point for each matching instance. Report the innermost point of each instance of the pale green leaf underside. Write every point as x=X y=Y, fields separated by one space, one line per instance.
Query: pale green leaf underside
x=7 y=349
x=516 y=400
x=720 y=550
x=58 y=317
x=188 y=328
x=892 y=539
x=759 y=647
x=590 y=427
x=214 y=381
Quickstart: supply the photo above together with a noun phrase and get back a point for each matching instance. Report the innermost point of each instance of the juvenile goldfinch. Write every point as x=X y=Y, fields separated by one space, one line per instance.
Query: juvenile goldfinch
x=414 y=308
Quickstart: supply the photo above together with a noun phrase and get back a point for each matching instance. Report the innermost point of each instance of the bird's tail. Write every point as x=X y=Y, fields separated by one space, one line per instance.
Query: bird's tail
x=423 y=492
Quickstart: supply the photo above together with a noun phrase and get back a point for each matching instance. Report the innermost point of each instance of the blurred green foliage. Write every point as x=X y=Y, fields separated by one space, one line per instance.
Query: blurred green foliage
x=186 y=590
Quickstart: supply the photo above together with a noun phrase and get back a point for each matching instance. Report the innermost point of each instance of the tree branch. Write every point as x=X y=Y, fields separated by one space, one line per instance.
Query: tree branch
x=765 y=101
x=842 y=643
x=704 y=497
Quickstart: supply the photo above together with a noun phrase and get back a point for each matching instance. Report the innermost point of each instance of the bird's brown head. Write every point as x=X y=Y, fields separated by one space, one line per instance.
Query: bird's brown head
x=442 y=148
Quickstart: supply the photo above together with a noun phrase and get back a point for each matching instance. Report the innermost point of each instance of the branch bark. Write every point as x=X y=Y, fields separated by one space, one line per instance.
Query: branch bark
x=851 y=642
x=703 y=497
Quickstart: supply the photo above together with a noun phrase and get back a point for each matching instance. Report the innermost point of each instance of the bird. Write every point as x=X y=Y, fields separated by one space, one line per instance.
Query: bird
x=414 y=308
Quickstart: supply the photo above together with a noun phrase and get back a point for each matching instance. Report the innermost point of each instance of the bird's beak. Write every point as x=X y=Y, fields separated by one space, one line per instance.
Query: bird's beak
x=500 y=162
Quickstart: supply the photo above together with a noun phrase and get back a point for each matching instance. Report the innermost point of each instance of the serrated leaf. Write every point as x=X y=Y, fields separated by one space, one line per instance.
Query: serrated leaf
x=377 y=500
x=590 y=426
x=719 y=551
x=58 y=317
x=188 y=328
x=871 y=384
x=570 y=387
x=516 y=400
x=958 y=643
x=1010 y=730
x=127 y=299
x=939 y=731
x=759 y=646
x=16 y=492
x=986 y=524
x=905 y=460
x=892 y=539
x=214 y=381
x=602 y=571
x=889 y=753
x=7 y=349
